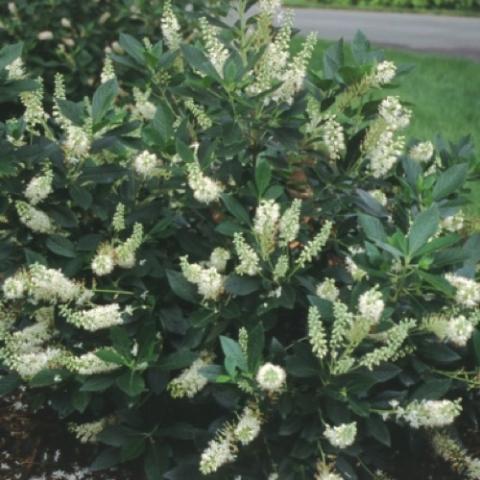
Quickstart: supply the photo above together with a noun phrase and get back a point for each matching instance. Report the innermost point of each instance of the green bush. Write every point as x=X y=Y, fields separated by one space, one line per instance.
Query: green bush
x=227 y=265
x=72 y=37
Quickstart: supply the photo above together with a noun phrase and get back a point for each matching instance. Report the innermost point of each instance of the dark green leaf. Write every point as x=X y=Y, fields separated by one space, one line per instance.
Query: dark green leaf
x=61 y=246
x=424 y=227
x=450 y=181
x=103 y=100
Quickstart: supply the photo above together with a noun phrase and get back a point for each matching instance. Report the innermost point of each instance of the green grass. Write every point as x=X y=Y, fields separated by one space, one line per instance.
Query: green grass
x=380 y=8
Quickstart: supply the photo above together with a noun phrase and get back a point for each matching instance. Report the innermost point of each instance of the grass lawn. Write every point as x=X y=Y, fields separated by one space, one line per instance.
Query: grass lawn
x=444 y=95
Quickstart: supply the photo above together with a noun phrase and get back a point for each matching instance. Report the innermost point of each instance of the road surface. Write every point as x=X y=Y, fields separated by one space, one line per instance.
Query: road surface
x=457 y=36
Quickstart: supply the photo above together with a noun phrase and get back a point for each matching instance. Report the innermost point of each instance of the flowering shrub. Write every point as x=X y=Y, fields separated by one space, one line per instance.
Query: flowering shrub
x=71 y=37
x=234 y=266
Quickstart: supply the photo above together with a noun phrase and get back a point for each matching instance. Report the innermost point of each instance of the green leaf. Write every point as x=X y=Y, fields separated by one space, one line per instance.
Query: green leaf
x=263 y=175
x=106 y=459
x=424 y=227
x=372 y=227
x=360 y=48
x=432 y=389
x=8 y=383
x=75 y=112
x=256 y=344
x=476 y=346
x=162 y=123
x=450 y=181
x=9 y=53
x=131 y=383
x=133 y=47
x=81 y=196
x=111 y=356
x=103 y=100
x=198 y=61
x=377 y=428
x=236 y=209
x=241 y=286
x=234 y=356
x=46 y=378
x=61 y=246
x=176 y=360
x=333 y=59
x=181 y=286
x=156 y=461
x=97 y=383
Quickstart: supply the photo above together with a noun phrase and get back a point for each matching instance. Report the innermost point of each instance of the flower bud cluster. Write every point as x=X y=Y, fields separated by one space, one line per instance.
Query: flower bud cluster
x=209 y=281
x=430 y=413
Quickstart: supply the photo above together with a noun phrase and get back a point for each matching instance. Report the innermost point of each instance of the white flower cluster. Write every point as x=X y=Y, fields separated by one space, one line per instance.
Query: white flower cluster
x=468 y=291
x=205 y=189
x=220 y=451
x=271 y=378
x=355 y=271
x=199 y=114
x=108 y=71
x=422 y=152
x=394 y=340
x=89 y=364
x=385 y=153
x=123 y=255
x=273 y=62
x=394 y=113
x=42 y=284
x=224 y=447
x=77 y=143
x=145 y=163
x=96 y=318
x=249 y=260
x=219 y=259
x=324 y=472
x=170 y=27
x=190 y=381
x=452 y=452
x=289 y=225
x=39 y=188
x=317 y=334
x=143 y=106
x=25 y=351
x=457 y=329
x=33 y=218
x=385 y=72
x=430 y=413
x=33 y=102
x=294 y=74
x=270 y=7
x=265 y=225
x=453 y=223
x=328 y=290
x=379 y=196
x=371 y=305
x=88 y=432
x=334 y=137
x=248 y=426
x=16 y=70
x=341 y=436
x=217 y=53
x=315 y=246
x=209 y=281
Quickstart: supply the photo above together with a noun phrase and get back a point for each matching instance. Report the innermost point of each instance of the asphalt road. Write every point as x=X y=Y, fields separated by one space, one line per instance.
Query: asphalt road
x=457 y=36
